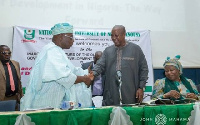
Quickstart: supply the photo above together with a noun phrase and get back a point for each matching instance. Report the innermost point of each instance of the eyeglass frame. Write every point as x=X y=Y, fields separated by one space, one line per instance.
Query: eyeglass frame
x=4 y=53
x=69 y=37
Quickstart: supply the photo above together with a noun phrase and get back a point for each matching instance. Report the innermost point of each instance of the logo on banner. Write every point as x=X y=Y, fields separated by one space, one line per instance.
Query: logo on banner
x=29 y=35
x=160 y=119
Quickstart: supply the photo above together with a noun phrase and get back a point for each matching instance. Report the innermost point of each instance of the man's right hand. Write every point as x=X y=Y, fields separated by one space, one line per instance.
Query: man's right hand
x=87 y=80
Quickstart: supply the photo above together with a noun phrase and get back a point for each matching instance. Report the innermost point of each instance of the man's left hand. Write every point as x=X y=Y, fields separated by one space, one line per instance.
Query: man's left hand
x=89 y=68
x=191 y=95
x=139 y=95
x=91 y=76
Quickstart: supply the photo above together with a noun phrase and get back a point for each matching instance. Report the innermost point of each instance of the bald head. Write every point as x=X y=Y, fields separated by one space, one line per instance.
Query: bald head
x=121 y=28
x=2 y=46
x=97 y=56
x=5 y=53
x=118 y=35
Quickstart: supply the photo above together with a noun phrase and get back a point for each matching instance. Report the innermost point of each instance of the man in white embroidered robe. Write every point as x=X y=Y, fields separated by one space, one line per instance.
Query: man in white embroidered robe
x=54 y=78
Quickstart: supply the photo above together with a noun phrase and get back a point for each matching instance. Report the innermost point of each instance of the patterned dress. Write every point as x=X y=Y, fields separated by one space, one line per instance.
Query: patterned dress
x=158 y=88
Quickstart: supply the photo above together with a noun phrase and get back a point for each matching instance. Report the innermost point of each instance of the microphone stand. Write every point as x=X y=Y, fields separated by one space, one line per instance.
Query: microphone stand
x=120 y=93
x=119 y=79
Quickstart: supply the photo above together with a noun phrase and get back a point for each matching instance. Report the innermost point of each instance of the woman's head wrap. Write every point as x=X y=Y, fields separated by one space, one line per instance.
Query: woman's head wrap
x=174 y=62
x=62 y=28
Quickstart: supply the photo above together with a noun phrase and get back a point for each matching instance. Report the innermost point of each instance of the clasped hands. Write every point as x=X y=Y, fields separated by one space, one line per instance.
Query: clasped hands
x=176 y=95
x=89 y=78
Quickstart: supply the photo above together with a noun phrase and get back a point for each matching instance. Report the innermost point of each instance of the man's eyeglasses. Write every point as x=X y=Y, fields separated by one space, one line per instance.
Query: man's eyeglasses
x=69 y=37
x=4 y=53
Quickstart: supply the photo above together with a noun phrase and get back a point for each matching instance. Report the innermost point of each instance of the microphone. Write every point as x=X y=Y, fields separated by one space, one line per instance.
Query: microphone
x=119 y=76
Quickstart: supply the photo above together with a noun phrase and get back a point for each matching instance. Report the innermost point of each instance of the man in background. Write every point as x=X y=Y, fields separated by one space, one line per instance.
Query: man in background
x=124 y=64
x=10 y=78
x=97 y=85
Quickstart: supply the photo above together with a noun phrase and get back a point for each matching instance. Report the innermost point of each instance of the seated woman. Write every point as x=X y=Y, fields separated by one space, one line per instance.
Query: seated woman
x=174 y=85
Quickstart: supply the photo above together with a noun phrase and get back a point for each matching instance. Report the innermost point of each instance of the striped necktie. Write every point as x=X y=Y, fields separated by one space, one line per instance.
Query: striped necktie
x=12 y=84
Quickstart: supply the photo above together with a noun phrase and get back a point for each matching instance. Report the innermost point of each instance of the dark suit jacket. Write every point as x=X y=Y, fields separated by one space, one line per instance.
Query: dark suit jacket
x=3 y=83
x=86 y=65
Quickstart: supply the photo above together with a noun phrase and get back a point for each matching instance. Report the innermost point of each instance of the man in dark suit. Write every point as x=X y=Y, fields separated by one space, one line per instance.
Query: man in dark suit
x=98 y=83
x=10 y=78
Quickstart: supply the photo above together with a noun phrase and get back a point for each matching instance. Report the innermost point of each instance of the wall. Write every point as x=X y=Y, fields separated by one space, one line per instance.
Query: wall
x=174 y=24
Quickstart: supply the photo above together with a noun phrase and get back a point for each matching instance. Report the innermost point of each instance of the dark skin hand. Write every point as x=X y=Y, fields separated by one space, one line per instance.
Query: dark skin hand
x=172 y=94
x=139 y=95
x=191 y=95
x=91 y=76
x=84 y=79
x=87 y=79
x=176 y=95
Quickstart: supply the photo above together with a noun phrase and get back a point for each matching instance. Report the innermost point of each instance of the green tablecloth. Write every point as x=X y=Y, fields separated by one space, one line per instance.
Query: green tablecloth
x=174 y=114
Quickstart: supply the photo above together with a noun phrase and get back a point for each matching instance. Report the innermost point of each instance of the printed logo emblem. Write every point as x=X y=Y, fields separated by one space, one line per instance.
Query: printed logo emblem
x=29 y=35
x=160 y=119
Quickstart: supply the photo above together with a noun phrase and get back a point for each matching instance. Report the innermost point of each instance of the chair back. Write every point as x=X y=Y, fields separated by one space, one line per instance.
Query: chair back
x=8 y=105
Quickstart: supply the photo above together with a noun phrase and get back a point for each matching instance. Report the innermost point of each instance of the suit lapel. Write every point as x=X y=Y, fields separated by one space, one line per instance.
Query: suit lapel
x=2 y=70
x=17 y=68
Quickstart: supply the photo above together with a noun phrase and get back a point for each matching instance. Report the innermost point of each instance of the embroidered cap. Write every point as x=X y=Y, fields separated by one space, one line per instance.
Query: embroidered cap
x=62 y=28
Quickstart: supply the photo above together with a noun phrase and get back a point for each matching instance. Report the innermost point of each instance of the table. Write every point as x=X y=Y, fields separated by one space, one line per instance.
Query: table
x=139 y=115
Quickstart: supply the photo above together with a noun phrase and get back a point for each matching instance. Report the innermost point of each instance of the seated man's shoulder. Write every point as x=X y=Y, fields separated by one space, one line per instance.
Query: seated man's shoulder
x=13 y=61
x=86 y=65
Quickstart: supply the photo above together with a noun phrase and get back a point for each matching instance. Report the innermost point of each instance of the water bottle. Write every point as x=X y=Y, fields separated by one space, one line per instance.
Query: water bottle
x=68 y=105
x=65 y=105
